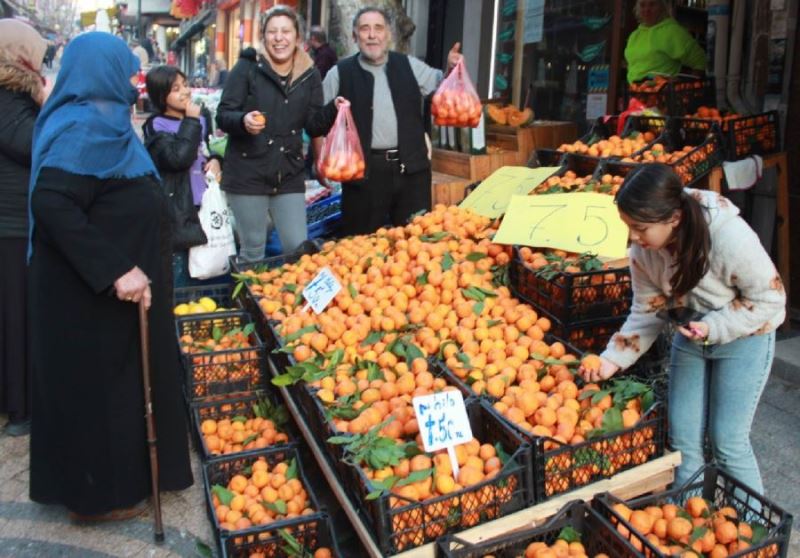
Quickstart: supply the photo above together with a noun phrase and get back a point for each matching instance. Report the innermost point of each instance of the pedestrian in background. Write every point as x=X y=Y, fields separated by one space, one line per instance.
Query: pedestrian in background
x=270 y=97
x=97 y=240
x=22 y=92
x=386 y=90
x=323 y=54
x=176 y=137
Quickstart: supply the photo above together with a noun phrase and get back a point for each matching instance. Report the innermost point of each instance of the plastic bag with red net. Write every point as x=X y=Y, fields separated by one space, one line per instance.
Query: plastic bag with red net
x=456 y=103
x=342 y=158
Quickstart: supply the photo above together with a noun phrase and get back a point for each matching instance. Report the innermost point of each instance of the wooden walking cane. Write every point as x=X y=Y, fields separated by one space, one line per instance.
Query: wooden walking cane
x=144 y=332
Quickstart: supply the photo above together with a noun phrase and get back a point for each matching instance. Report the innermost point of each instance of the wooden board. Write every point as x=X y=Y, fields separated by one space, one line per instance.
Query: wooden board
x=447 y=189
x=470 y=167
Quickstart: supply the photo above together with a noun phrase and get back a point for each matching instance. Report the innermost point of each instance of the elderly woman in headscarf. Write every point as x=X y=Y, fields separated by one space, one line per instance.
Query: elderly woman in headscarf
x=22 y=92
x=97 y=234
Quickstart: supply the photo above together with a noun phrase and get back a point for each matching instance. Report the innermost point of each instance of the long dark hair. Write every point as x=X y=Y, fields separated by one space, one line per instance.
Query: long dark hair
x=159 y=83
x=652 y=193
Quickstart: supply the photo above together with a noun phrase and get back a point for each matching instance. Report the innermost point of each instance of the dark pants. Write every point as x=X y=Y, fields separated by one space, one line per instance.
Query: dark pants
x=387 y=196
x=15 y=371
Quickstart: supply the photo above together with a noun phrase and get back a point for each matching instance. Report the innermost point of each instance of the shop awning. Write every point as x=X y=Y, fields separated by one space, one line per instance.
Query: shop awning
x=196 y=27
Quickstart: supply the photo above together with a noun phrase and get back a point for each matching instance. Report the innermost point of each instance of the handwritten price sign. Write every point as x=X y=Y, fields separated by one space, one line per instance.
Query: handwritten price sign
x=442 y=419
x=579 y=222
x=321 y=290
x=491 y=198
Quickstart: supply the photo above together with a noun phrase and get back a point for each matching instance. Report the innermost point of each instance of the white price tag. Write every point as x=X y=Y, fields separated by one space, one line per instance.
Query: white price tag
x=442 y=419
x=321 y=290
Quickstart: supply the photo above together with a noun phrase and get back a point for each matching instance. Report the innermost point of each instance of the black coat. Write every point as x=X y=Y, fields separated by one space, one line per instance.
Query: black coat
x=18 y=113
x=271 y=162
x=88 y=442
x=173 y=155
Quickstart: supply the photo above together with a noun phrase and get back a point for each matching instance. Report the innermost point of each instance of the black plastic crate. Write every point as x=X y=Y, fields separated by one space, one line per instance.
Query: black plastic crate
x=571 y=297
x=597 y=536
x=400 y=524
x=652 y=93
x=309 y=537
x=232 y=408
x=687 y=95
x=221 y=471
x=219 y=293
x=560 y=468
x=581 y=165
x=591 y=336
x=220 y=372
x=618 y=168
x=546 y=157
x=752 y=135
x=720 y=490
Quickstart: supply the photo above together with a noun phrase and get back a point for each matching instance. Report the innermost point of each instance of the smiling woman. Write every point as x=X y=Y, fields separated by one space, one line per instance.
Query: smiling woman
x=270 y=96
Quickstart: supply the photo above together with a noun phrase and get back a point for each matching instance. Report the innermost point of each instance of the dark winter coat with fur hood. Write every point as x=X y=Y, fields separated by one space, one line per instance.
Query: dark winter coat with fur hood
x=18 y=112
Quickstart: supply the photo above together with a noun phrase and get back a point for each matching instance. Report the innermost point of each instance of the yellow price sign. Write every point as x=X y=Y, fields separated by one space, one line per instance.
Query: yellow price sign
x=491 y=198
x=578 y=222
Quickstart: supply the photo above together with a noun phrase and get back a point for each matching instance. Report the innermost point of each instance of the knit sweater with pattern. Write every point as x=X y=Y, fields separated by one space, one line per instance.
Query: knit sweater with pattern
x=740 y=295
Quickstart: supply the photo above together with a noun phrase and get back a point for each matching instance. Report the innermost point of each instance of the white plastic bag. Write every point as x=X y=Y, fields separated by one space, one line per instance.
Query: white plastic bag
x=212 y=259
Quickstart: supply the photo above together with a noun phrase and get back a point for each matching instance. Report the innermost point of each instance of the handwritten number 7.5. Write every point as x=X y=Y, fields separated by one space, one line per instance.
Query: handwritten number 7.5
x=553 y=209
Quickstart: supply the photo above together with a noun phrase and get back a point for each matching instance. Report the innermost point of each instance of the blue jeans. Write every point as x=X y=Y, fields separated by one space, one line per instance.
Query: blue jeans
x=716 y=388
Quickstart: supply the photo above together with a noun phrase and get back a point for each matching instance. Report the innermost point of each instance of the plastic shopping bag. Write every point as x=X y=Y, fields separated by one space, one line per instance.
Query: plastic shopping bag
x=211 y=259
x=456 y=103
x=342 y=158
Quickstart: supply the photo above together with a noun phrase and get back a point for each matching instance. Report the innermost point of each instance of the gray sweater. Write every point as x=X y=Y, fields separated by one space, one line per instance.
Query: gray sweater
x=740 y=295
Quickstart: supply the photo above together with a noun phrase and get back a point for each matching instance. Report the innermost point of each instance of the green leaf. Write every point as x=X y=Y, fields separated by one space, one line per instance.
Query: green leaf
x=435 y=237
x=374 y=372
x=697 y=534
x=492 y=323
x=473 y=293
x=612 y=420
x=225 y=496
x=416 y=476
x=412 y=352
x=463 y=358
x=353 y=292
x=422 y=278
x=291 y=471
x=294 y=544
x=586 y=394
x=375 y=494
x=249 y=329
x=599 y=396
x=478 y=307
x=647 y=401
x=501 y=453
x=447 y=261
x=202 y=548
x=300 y=332
x=239 y=418
x=289 y=288
x=216 y=333
x=340 y=440
x=237 y=289
x=680 y=512
x=284 y=380
x=279 y=506
x=569 y=534
x=759 y=533
x=476 y=256
x=372 y=338
x=250 y=438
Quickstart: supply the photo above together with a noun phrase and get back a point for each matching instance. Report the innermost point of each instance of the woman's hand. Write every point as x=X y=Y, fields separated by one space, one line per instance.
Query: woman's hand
x=192 y=109
x=341 y=102
x=696 y=331
x=254 y=122
x=133 y=287
x=607 y=369
x=213 y=166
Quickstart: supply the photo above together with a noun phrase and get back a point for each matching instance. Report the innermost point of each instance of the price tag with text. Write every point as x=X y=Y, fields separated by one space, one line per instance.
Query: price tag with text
x=442 y=419
x=578 y=222
x=491 y=198
x=321 y=290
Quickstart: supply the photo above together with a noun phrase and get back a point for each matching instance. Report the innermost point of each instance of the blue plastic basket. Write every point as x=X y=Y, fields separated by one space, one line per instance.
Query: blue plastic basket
x=323 y=218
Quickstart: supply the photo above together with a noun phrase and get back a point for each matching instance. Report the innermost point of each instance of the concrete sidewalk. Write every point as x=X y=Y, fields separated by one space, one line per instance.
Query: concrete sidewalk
x=30 y=530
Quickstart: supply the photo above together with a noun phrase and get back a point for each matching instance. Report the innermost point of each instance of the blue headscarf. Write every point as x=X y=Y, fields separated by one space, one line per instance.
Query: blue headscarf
x=85 y=126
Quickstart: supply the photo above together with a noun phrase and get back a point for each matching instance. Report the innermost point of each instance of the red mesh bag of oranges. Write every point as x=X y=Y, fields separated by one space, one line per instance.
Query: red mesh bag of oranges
x=456 y=103
x=342 y=158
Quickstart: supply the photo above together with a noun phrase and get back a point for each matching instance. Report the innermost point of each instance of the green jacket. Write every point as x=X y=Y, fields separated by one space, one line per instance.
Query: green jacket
x=662 y=49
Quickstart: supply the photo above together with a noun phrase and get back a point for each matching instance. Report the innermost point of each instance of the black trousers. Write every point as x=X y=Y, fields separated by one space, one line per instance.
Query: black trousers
x=386 y=196
x=15 y=371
